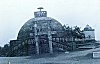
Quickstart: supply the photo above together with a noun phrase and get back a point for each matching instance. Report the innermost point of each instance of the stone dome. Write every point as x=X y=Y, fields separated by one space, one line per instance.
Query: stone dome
x=88 y=28
x=43 y=23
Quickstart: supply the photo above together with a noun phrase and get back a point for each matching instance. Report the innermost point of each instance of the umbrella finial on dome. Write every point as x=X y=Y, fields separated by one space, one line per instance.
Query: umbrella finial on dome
x=40 y=8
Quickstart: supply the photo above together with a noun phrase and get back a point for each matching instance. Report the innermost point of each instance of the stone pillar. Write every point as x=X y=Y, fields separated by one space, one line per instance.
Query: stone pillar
x=37 y=45
x=50 y=42
x=36 y=38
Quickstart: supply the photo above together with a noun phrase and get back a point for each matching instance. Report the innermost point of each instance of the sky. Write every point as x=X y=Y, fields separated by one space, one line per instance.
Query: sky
x=14 y=13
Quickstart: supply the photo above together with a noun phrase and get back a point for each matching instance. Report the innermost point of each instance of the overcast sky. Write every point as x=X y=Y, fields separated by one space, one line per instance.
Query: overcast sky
x=14 y=13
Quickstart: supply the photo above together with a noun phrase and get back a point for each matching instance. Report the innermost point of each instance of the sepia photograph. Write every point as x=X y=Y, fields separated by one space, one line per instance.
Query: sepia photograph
x=49 y=31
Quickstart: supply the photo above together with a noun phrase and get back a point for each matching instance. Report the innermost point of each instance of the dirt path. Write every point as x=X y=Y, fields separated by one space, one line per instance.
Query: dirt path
x=68 y=58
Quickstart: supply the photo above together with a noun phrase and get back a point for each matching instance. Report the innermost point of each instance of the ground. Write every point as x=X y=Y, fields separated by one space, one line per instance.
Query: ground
x=77 y=57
